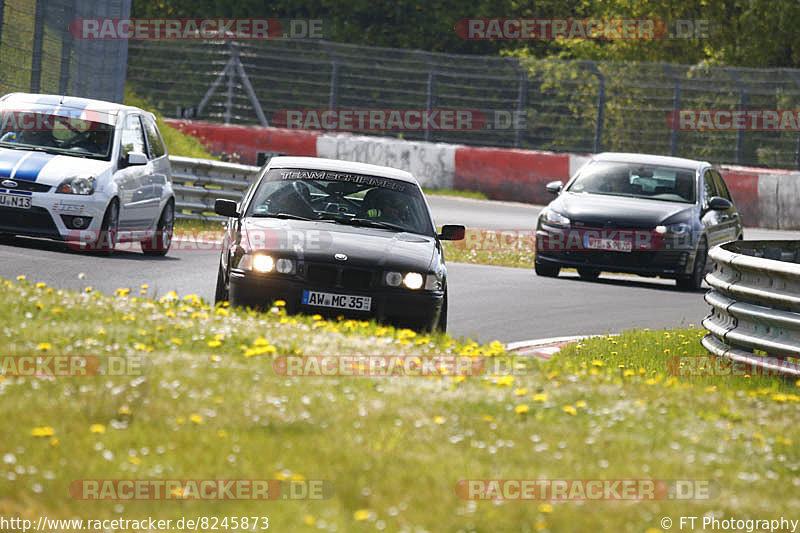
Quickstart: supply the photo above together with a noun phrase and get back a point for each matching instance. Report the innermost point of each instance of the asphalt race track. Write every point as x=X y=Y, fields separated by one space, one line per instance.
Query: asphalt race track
x=486 y=303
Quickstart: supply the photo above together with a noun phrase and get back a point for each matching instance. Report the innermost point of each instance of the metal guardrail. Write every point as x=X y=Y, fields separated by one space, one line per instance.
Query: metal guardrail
x=198 y=182
x=755 y=305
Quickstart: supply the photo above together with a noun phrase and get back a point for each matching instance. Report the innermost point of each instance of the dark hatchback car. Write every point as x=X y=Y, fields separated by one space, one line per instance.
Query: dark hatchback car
x=336 y=238
x=635 y=213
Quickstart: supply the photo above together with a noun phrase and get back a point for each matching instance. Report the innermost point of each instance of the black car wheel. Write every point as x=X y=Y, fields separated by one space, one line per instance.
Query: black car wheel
x=222 y=292
x=588 y=274
x=441 y=326
x=547 y=271
x=160 y=242
x=693 y=281
x=107 y=238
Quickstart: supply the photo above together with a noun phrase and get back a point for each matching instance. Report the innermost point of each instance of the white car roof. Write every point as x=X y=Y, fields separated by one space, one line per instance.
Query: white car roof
x=55 y=101
x=335 y=165
x=647 y=159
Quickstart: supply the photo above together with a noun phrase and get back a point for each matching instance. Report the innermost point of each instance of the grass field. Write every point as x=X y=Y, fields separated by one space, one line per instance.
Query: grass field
x=206 y=403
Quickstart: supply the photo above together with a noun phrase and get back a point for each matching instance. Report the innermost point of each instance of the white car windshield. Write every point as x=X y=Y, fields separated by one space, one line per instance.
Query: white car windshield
x=33 y=130
x=341 y=197
x=637 y=180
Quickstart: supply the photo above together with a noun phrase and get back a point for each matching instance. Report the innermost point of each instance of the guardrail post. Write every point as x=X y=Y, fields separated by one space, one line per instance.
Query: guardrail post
x=38 y=41
x=676 y=108
x=742 y=106
x=601 y=103
x=430 y=100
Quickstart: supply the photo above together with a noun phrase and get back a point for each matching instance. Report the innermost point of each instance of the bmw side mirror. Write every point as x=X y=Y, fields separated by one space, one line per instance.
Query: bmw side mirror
x=136 y=158
x=452 y=232
x=226 y=208
x=554 y=187
x=718 y=203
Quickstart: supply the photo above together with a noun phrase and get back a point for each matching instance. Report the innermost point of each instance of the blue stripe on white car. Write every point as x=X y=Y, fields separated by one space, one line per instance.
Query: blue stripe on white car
x=30 y=167
x=9 y=159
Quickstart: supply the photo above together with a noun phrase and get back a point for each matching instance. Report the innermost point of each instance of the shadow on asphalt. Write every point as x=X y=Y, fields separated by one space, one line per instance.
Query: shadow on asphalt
x=48 y=245
x=662 y=284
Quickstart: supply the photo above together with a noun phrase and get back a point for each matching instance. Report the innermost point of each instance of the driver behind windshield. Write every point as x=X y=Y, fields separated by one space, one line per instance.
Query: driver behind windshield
x=386 y=205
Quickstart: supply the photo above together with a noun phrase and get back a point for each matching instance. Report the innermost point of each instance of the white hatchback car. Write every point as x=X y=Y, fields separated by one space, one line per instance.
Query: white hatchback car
x=88 y=172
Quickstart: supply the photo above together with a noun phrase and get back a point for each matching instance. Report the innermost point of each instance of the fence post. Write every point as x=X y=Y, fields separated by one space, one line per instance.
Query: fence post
x=333 y=95
x=229 y=97
x=601 y=103
x=676 y=108
x=522 y=102
x=38 y=40
x=430 y=100
x=742 y=105
x=795 y=75
x=66 y=54
x=2 y=13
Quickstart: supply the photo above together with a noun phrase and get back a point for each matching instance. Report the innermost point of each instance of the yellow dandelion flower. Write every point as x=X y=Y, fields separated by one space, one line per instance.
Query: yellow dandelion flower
x=597 y=362
x=134 y=460
x=361 y=515
x=520 y=392
x=438 y=420
x=215 y=358
x=628 y=373
x=521 y=409
x=124 y=410
x=580 y=403
x=41 y=285
x=176 y=340
x=545 y=508
x=540 y=397
x=279 y=303
x=570 y=410
x=214 y=343
x=89 y=289
x=309 y=520
x=54 y=442
x=197 y=419
x=44 y=431
x=44 y=346
x=488 y=418
x=97 y=428
x=21 y=278
x=505 y=381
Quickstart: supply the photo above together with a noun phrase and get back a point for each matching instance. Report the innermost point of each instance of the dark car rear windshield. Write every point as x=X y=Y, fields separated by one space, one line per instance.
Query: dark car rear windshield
x=342 y=197
x=636 y=180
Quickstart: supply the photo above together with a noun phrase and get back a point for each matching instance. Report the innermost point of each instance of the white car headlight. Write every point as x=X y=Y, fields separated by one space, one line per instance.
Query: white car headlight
x=82 y=185
x=556 y=219
x=413 y=280
x=263 y=263
x=681 y=228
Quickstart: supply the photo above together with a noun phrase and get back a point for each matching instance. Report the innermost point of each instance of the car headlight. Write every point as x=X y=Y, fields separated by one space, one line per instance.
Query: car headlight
x=83 y=185
x=556 y=219
x=680 y=228
x=259 y=262
x=413 y=280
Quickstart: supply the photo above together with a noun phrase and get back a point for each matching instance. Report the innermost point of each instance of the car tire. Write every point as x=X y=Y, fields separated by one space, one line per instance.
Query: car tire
x=441 y=325
x=693 y=281
x=160 y=243
x=107 y=239
x=588 y=274
x=547 y=271
x=222 y=293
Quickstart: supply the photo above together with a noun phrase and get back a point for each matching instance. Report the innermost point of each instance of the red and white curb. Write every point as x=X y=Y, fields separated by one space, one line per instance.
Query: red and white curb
x=543 y=348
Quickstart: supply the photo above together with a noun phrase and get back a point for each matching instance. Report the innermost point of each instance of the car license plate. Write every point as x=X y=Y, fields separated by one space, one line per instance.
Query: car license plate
x=12 y=200
x=612 y=245
x=338 y=301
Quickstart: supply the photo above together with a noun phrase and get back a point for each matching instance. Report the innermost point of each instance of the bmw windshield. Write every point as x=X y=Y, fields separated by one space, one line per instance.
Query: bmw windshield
x=343 y=198
x=59 y=134
x=636 y=180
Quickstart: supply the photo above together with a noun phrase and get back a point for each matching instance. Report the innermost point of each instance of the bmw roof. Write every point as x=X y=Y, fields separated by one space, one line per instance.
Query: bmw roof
x=646 y=159
x=318 y=163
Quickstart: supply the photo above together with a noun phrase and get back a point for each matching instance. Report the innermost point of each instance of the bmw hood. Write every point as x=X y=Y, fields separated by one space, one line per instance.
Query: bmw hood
x=600 y=210
x=46 y=168
x=322 y=241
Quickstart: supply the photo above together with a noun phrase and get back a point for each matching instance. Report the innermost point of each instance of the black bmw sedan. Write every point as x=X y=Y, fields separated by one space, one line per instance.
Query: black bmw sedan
x=640 y=214
x=336 y=238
